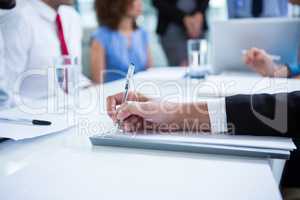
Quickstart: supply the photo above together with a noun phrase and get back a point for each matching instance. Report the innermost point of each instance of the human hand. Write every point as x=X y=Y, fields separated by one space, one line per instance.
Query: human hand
x=259 y=61
x=198 y=21
x=193 y=25
x=142 y=113
x=151 y=115
x=188 y=23
x=116 y=100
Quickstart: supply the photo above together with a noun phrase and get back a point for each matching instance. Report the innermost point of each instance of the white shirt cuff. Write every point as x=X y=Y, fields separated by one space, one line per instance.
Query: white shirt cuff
x=217 y=115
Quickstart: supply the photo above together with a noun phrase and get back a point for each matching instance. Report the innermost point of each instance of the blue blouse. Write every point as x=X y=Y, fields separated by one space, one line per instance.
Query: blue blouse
x=119 y=53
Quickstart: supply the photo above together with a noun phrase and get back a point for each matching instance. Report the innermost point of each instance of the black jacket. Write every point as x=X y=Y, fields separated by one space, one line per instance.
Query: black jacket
x=269 y=115
x=168 y=12
x=7 y=4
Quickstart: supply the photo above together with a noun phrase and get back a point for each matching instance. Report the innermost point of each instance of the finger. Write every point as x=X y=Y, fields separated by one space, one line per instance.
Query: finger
x=131 y=108
x=150 y=110
x=259 y=53
x=251 y=54
x=131 y=123
x=261 y=58
x=246 y=59
x=111 y=107
x=149 y=126
x=113 y=101
x=111 y=104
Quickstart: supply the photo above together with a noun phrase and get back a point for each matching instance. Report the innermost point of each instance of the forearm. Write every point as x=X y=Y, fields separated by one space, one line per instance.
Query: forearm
x=149 y=59
x=97 y=73
x=194 y=117
x=98 y=62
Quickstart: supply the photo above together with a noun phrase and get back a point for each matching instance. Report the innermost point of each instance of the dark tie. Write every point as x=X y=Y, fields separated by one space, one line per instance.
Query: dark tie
x=61 y=36
x=257 y=7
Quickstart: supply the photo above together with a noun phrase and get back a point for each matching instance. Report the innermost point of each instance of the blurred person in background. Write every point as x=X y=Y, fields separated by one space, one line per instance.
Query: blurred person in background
x=178 y=21
x=118 y=41
x=40 y=32
x=6 y=7
x=257 y=8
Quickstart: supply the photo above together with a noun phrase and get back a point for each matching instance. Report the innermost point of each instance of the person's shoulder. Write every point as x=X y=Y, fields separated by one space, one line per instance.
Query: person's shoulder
x=25 y=15
x=19 y=19
x=102 y=31
x=102 y=35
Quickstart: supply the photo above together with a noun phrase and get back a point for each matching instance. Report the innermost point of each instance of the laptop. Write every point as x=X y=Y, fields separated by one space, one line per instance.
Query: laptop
x=278 y=36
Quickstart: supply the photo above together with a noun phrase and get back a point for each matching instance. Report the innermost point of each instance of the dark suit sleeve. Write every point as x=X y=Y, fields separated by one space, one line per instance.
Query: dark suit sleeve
x=264 y=114
x=170 y=11
x=7 y=4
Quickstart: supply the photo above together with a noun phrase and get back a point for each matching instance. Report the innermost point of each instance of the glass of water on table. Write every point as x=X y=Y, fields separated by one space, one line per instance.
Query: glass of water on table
x=66 y=74
x=198 y=50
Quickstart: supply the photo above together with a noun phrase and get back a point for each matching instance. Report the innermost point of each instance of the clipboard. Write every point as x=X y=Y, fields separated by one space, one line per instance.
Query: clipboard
x=128 y=141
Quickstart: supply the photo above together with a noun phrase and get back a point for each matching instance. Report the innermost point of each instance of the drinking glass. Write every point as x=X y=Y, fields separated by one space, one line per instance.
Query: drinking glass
x=66 y=74
x=197 y=53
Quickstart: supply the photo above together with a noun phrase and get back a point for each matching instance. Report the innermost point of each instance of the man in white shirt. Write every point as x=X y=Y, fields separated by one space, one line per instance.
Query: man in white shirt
x=33 y=43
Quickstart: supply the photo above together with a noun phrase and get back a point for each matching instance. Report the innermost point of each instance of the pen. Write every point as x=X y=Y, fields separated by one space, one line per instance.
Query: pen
x=128 y=79
x=129 y=76
x=26 y=121
x=273 y=57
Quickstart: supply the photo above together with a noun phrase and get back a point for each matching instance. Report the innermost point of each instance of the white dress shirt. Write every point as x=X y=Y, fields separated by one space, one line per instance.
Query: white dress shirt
x=1 y=59
x=32 y=45
x=217 y=115
x=5 y=15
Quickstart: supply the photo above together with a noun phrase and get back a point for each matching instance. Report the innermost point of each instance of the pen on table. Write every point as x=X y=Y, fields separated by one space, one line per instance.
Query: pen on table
x=273 y=57
x=35 y=122
x=129 y=76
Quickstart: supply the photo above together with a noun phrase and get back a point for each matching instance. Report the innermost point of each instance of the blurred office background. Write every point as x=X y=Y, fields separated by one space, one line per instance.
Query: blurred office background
x=217 y=10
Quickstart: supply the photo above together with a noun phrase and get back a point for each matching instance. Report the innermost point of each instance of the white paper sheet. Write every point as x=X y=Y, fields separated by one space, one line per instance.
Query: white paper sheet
x=20 y=131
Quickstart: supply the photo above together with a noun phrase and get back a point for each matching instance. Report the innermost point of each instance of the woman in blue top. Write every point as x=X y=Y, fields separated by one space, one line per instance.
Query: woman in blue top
x=118 y=41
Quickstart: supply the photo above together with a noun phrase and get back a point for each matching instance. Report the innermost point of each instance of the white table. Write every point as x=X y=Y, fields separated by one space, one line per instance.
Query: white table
x=66 y=166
